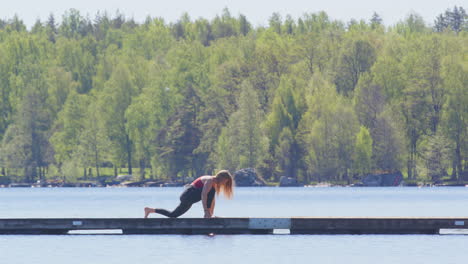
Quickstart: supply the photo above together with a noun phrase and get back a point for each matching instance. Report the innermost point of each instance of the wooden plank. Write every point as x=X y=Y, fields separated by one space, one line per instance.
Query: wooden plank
x=132 y=225
x=381 y=225
x=296 y=225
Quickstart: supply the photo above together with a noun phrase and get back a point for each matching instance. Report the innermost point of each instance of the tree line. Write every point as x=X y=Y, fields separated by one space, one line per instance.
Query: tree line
x=312 y=98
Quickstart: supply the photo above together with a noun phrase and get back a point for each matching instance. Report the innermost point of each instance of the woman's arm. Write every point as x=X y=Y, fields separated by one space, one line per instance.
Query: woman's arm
x=213 y=205
x=204 y=195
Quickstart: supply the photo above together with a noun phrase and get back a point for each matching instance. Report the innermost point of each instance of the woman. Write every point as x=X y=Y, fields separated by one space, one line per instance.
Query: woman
x=204 y=189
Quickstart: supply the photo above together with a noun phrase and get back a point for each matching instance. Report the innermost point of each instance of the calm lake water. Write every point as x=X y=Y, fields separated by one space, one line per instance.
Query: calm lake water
x=253 y=202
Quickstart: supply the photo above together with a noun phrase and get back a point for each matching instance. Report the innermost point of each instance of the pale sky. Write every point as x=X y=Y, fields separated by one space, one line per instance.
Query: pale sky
x=256 y=11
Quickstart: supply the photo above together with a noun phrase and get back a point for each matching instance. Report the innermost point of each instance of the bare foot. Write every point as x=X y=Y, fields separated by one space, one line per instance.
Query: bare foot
x=148 y=211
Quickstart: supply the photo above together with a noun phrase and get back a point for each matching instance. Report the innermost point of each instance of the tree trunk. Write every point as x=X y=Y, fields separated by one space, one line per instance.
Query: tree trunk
x=408 y=167
x=41 y=173
x=348 y=177
x=33 y=174
x=411 y=161
x=142 y=169
x=115 y=171
x=129 y=154
x=96 y=160
x=26 y=174
x=459 y=161
x=454 y=170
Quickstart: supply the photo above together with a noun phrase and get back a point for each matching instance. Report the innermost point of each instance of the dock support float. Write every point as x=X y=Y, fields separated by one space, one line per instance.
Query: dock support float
x=295 y=225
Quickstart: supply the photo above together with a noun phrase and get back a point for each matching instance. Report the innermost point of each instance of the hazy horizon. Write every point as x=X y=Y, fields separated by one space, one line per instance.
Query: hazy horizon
x=257 y=12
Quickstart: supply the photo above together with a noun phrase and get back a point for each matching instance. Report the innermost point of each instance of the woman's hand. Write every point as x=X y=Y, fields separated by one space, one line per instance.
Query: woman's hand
x=208 y=214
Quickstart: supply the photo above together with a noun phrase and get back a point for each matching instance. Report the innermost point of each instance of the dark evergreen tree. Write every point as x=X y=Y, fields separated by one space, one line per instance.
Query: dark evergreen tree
x=456 y=20
x=51 y=28
x=178 y=140
x=376 y=20
x=244 y=25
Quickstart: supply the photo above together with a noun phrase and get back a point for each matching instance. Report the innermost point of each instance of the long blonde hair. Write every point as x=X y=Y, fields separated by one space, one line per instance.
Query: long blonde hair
x=228 y=186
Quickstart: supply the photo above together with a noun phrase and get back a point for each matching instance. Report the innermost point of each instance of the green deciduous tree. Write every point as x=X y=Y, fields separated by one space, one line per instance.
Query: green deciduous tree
x=93 y=147
x=328 y=130
x=241 y=143
x=26 y=143
x=436 y=156
x=147 y=116
x=68 y=127
x=388 y=143
x=78 y=58
x=358 y=58
x=362 y=158
x=455 y=118
x=114 y=101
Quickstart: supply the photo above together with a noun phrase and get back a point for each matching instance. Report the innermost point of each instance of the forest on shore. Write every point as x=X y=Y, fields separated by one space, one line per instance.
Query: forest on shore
x=310 y=98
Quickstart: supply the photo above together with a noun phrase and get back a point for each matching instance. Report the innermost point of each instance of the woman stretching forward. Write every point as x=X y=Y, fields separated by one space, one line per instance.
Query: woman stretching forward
x=204 y=189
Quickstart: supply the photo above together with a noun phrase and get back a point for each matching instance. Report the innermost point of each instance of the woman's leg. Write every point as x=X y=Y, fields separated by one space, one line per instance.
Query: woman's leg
x=180 y=210
x=190 y=196
x=148 y=211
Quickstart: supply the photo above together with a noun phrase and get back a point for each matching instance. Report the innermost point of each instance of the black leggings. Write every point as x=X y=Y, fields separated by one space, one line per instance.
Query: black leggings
x=190 y=196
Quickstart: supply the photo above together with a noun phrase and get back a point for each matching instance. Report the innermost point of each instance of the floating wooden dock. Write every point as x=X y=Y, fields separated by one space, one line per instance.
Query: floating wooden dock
x=295 y=225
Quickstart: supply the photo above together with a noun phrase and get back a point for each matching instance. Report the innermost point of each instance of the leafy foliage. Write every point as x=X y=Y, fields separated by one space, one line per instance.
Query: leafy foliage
x=311 y=98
